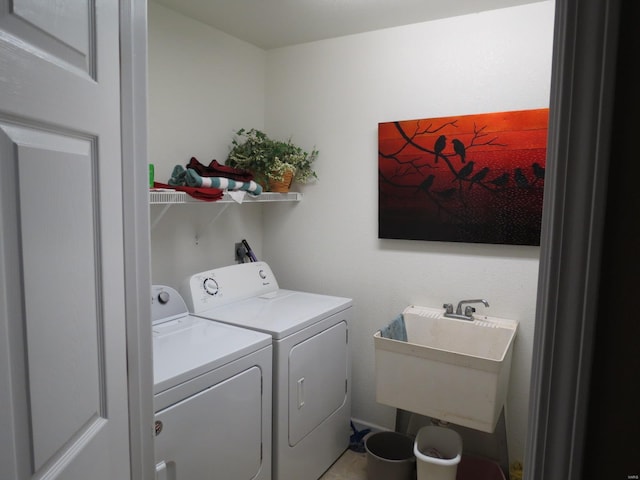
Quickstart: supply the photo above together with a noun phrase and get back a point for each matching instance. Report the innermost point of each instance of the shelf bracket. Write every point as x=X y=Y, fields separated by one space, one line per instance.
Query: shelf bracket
x=213 y=220
x=160 y=215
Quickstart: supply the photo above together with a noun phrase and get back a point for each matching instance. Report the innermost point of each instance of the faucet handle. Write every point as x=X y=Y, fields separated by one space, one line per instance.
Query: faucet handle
x=468 y=311
x=448 y=307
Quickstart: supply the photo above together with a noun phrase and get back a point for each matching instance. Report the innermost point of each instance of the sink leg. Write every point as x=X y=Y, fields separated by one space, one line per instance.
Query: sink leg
x=402 y=421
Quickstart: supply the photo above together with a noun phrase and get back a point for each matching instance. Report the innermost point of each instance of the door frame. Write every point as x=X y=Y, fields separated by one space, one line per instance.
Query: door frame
x=575 y=200
x=579 y=148
x=133 y=101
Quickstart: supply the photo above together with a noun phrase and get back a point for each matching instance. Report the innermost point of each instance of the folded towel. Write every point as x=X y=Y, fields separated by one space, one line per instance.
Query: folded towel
x=216 y=169
x=180 y=176
x=195 y=180
x=396 y=330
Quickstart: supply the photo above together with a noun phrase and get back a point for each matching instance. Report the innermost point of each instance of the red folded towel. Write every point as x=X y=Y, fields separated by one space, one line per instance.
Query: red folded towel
x=204 y=194
x=216 y=169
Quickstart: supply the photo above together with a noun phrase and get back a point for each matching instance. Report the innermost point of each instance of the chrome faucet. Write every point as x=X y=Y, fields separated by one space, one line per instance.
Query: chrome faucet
x=468 y=310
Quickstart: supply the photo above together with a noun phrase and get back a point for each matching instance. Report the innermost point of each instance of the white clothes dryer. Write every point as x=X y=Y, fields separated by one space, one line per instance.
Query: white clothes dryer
x=212 y=395
x=311 y=361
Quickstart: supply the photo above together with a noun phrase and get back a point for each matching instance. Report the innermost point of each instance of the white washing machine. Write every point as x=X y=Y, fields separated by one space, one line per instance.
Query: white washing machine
x=212 y=395
x=311 y=364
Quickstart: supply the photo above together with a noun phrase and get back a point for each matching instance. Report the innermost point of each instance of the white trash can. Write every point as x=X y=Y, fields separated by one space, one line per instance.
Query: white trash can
x=438 y=451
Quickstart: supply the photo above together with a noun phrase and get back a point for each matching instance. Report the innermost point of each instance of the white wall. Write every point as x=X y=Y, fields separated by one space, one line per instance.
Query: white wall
x=203 y=86
x=333 y=94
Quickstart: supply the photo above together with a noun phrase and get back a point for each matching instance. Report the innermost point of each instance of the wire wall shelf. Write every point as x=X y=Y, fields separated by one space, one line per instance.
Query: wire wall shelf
x=166 y=199
x=176 y=197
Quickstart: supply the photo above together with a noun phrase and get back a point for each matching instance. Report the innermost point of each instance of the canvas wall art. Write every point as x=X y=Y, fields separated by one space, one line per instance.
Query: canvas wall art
x=469 y=178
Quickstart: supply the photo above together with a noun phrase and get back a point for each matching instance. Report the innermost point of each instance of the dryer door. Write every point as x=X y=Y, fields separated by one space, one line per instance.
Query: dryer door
x=215 y=433
x=317 y=380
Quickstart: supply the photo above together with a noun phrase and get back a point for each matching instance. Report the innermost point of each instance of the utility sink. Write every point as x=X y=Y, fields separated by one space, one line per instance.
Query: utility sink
x=449 y=369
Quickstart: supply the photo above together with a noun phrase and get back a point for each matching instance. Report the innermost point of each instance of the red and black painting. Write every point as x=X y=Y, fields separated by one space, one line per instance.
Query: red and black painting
x=470 y=178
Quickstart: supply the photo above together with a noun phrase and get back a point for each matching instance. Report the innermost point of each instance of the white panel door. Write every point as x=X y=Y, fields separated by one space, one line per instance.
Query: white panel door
x=63 y=382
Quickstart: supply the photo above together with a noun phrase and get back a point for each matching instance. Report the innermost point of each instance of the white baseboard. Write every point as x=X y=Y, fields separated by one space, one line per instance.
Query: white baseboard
x=362 y=425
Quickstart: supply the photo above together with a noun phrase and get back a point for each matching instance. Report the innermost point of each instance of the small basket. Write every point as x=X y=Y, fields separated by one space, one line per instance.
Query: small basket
x=281 y=185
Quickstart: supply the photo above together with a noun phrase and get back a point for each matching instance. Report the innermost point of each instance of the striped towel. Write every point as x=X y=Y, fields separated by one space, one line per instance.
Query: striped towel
x=182 y=176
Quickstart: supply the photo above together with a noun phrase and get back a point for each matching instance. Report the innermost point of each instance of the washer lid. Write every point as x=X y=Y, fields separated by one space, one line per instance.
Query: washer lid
x=279 y=313
x=186 y=347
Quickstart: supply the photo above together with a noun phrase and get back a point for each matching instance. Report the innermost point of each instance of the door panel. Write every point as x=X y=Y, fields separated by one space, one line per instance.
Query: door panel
x=63 y=331
x=64 y=32
x=215 y=433
x=68 y=25
x=63 y=390
x=317 y=380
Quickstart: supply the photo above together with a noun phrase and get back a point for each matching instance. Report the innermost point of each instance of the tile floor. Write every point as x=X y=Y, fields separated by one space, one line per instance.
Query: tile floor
x=350 y=466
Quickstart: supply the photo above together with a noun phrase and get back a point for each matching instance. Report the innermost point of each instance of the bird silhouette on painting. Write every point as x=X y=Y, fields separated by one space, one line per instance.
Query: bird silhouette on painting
x=538 y=170
x=438 y=147
x=521 y=180
x=465 y=171
x=426 y=183
x=447 y=193
x=459 y=148
x=478 y=177
x=500 y=181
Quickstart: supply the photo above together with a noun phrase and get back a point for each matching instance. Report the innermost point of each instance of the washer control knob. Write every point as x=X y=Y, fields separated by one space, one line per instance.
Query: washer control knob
x=163 y=297
x=262 y=274
x=210 y=286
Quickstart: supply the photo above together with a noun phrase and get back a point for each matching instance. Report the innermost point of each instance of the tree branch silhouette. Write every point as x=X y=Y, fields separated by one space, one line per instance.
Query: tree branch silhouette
x=469 y=175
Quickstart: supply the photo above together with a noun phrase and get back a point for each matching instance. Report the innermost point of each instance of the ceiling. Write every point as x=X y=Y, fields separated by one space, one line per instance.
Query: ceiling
x=277 y=23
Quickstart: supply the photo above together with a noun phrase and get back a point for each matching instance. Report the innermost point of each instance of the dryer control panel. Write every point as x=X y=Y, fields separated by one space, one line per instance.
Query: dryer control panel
x=166 y=304
x=221 y=286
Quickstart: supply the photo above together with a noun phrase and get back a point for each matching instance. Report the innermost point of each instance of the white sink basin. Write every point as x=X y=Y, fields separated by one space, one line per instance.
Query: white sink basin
x=449 y=369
